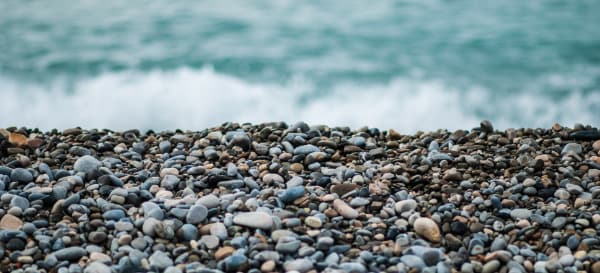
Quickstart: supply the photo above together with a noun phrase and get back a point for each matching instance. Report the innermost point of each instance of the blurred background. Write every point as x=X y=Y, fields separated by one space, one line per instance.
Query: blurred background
x=407 y=65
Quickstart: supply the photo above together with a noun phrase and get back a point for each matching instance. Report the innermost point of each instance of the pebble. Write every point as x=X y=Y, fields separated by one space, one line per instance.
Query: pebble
x=10 y=222
x=70 y=253
x=259 y=220
x=96 y=267
x=196 y=214
x=86 y=164
x=21 y=175
x=344 y=209
x=160 y=260
x=427 y=228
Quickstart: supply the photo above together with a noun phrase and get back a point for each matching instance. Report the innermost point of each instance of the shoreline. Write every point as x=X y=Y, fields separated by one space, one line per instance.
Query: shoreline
x=275 y=197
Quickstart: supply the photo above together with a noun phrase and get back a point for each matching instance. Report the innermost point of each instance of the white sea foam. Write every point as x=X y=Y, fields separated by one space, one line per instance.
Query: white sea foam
x=196 y=99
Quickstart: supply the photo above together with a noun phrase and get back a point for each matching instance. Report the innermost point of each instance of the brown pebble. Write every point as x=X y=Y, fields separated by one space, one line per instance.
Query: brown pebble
x=427 y=228
x=223 y=252
x=268 y=266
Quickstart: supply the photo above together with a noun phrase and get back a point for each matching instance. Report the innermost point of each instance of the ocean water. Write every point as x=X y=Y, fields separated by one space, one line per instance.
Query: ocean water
x=407 y=65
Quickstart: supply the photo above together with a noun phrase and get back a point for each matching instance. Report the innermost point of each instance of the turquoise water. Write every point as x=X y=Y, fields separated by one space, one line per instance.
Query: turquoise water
x=409 y=65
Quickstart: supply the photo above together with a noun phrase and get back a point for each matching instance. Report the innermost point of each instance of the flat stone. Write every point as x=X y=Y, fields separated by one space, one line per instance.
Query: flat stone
x=196 y=214
x=10 y=222
x=21 y=175
x=97 y=267
x=160 y=260
x=299 y=265
x=70 y=253
x=223 y=252
x=520 y=214
x=344 y=209
x=405 y=206
x=254 y=219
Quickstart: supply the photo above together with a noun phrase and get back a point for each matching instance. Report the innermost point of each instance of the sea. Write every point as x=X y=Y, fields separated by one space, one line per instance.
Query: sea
x=412 y=66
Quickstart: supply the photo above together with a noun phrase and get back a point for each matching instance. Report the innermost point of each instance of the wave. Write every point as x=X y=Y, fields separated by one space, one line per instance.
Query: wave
x=199 y=98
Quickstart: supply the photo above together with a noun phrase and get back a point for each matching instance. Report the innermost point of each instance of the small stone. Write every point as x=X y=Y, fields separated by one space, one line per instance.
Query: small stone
x=313 y=222
x=255 y=219
x=268 y=266
x=486 y=126
x=87 y=164
x=427 y=228
x=299 y=265
x=291 y=194
x=96 y=267
x=452 y=174
x=572 y=148
x=520 y=214
x=209 y=201
x=17 y=139
x=223 y=252
x=21 y=175
x=160 y=260
x=70 y=253
x=491 y=266
x=189 y=232
x=19 y=202
x=10 y=222
x=405 y=206
x=210 y=241
x=344 y=209
x=196 y=214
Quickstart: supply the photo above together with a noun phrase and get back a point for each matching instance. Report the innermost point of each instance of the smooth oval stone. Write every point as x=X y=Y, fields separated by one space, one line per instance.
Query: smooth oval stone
x=114 y=214
x=344 y=209
x=254 y=219
x=209 y=201
x=87 y=164
x=405 y=205
x=21 y=175
x=520 y=214
x=306 y=149
x=427 y=228
x=291 y=194
x=70 y=253
x=189 y=232
x=196 y=214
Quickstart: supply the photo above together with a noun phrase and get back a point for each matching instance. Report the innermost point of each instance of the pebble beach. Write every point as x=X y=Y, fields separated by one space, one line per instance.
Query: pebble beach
x=277 y=197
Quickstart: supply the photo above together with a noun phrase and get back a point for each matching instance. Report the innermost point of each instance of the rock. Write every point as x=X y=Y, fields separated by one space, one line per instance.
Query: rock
x=491 y=267
x=19 y=202
x=21 y=175
x=223 y=252
x=291 y=194
x=235 y=263
x=342 y=189
x=97 y=267
x=344 y=209
x=520 y=214
x=17 y=139
x=572 y=148
x=427 y=228
x=209 y=201
x=452 y=175
x=353 y=267
x=189 y=232
x=70 y=253
x=486 y=126
x=299 y=265
x=10 y=222
x=259 y=220
x=313 y=222
x=196 y=214
x=160 y=260
x=596 y=146
x=408 y=205
x=87 y=164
